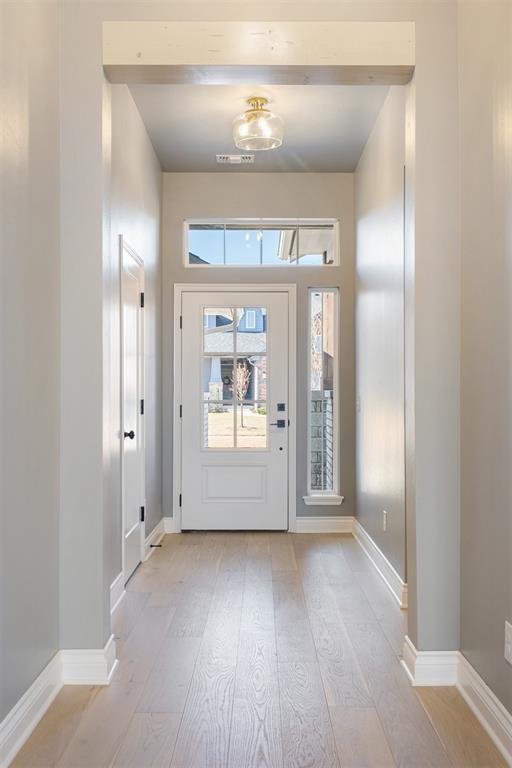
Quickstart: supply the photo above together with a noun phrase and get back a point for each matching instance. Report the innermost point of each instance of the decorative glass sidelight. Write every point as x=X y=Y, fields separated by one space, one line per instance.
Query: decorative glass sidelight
x=322 y=391
x=234 y=385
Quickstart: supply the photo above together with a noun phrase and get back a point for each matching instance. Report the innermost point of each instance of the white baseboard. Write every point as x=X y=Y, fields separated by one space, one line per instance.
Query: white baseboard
x=89 y=666
x=391 y=578
x=429 y=668
x=323 y=524
x=170 y=525
x=117 y=592
x=67 y=667
x=487 y=708
x=155 y=537
x=334 y=524
x=25 y=715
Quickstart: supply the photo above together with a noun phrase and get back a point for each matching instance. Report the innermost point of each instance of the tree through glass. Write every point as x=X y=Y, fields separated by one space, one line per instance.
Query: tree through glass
x=234 y=385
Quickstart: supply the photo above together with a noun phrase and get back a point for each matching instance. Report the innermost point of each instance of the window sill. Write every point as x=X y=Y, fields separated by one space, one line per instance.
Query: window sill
x=323 y=501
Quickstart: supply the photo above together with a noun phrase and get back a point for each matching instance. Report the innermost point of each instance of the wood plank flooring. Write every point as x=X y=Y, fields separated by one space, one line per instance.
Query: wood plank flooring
x=258 y=650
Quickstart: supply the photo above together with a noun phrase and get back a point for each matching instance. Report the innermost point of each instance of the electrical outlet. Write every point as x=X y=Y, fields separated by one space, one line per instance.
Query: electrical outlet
x=384 y=520
x=508 y=642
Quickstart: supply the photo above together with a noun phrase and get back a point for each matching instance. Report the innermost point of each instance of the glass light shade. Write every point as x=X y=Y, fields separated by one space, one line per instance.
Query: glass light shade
x=257 y=128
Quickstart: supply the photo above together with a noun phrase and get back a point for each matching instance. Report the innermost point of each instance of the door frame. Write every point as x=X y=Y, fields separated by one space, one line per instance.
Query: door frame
x=291 y=290
x=125 y=246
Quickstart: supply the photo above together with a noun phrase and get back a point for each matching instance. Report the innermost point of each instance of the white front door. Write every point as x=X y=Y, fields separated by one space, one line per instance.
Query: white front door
x=234 y=422
x=131 y=395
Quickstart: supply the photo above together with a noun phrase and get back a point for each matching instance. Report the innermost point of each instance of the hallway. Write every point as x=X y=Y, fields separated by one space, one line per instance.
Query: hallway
x=258 y=650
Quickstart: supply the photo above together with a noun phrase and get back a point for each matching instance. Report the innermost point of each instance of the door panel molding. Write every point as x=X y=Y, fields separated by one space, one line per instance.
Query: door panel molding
x=217 y=482
x=290 y=289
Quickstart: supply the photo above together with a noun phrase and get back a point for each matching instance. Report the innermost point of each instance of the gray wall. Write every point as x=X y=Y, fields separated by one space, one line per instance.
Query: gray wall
x=192 y=195
x=29 y=345
x=432 y=357
x=135 y=199
x=84 y=254
x=90 y=534
x=380 y=449
x=433 y=273
x=485 y=59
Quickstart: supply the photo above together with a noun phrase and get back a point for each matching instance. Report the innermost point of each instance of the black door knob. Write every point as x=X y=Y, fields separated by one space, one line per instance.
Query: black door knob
x=130 y=434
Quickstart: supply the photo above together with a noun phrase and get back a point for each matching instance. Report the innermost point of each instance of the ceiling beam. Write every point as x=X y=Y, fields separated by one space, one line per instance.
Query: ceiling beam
x=274 y=53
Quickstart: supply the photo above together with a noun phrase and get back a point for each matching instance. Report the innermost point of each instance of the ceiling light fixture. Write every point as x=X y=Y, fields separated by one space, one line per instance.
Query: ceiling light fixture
x=257 y=128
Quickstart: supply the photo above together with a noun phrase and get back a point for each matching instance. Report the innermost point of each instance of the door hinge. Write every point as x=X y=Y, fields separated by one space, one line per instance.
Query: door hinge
x=142 y=407
x=181 y=411
x=142 y=514
x=181 y=322
x=180 y=499
x=142 y=299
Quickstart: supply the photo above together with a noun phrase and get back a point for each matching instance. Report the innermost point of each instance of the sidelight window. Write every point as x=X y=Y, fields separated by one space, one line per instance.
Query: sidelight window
x=323 y=418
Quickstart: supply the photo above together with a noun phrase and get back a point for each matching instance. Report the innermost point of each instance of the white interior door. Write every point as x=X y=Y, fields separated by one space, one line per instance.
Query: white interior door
x=132 y=393
x=234 y=421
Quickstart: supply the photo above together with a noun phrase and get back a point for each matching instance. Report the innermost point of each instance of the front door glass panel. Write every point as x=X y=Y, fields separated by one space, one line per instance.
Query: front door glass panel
x=252 y=425
x=218 y=425
x=234 y=381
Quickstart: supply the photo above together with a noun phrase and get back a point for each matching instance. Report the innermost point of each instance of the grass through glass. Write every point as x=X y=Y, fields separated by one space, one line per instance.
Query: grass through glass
x=219 y=425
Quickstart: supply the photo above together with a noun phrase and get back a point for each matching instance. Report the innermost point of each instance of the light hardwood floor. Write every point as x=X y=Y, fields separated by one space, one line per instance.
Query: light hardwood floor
x=258 y=650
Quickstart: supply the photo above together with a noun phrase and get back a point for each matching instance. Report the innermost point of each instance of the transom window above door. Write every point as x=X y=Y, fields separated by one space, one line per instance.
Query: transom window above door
x=261 y=242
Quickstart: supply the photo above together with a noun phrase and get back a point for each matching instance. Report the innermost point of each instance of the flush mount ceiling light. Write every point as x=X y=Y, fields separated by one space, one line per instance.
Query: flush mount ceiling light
x=257 y=128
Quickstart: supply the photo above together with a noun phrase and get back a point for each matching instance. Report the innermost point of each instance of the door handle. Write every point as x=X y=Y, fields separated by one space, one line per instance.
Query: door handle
x=130 y=434
x=280 y=423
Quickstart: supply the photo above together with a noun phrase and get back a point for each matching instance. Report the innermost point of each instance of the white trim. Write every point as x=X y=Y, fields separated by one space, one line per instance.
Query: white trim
x=170 y=525
x=255 y=221
x=441 y=668
x=323 y=500
x=292 y=406
x=291 y=290
x=334 y=524
x=429 y=667
x=176 y=432
x=155 y=537
x=390 y=577
x=486 y=707
x=19 y=723
x=117 y=592
x=67 y=667
x=141 y=422
x=89 y=666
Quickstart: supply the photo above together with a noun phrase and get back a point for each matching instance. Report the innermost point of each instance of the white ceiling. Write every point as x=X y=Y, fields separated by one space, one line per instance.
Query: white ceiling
x=326 y=127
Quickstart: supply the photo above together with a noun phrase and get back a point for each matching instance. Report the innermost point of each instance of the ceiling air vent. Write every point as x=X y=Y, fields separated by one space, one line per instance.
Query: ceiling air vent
x=235 y=159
